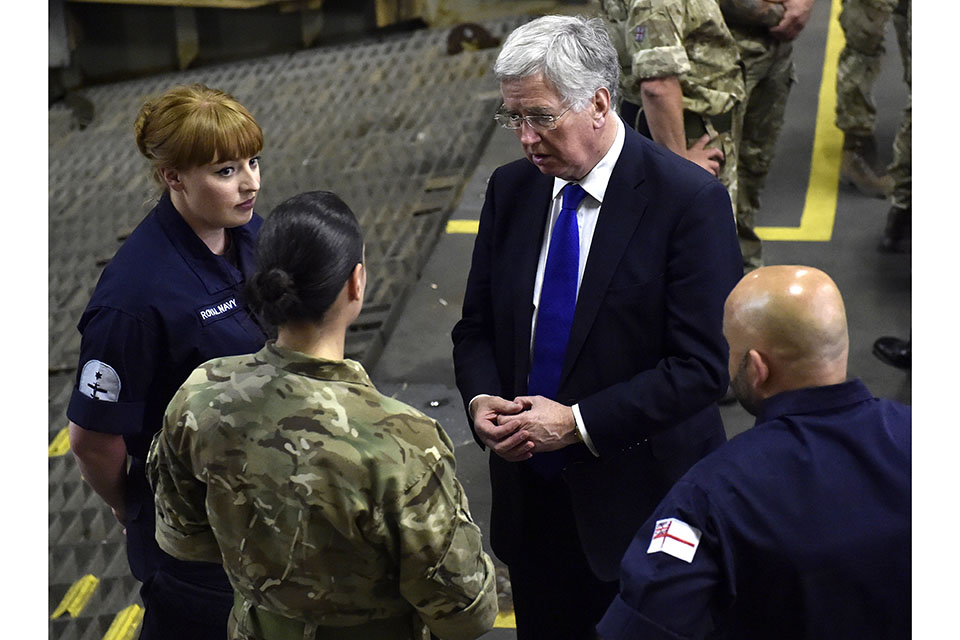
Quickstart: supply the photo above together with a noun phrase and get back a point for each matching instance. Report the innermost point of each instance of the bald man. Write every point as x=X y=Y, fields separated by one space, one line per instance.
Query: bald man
x=799 y=527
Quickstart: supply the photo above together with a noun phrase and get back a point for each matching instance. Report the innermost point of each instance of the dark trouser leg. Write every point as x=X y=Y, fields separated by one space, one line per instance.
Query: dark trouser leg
x=555 y=595
x=179 y=610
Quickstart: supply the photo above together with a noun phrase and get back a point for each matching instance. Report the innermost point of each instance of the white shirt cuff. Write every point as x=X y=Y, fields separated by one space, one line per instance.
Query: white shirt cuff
x=474 y=399
x=582 y=429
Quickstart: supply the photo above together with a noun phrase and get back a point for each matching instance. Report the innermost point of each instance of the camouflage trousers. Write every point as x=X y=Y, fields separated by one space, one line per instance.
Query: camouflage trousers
x=768 y=75
x=864 y=23
x=901 y=169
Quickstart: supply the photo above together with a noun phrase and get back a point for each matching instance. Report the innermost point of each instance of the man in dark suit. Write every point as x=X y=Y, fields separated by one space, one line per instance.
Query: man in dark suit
x=590 y=354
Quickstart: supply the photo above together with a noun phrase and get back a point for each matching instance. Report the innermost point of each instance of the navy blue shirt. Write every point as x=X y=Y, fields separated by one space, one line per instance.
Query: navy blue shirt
x=798 y=528
x=163 y=305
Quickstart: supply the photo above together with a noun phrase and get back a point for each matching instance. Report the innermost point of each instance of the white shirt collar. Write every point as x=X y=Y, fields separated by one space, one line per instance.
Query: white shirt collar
x=596 y=180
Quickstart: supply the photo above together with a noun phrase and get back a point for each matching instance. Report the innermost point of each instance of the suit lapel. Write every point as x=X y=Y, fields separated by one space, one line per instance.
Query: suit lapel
x=624 y=204
x=526 y=239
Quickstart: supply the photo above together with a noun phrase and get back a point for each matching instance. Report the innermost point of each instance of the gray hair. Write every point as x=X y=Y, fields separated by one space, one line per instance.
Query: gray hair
x=574 y=53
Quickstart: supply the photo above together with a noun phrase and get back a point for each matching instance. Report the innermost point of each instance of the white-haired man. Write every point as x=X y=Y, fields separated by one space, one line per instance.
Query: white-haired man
x=589 y=353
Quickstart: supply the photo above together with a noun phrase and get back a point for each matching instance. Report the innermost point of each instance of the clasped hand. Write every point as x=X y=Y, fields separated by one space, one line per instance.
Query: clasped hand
x=795 y=16
x=517 y=429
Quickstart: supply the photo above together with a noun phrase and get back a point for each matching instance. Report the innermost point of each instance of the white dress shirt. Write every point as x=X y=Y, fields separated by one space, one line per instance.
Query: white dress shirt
x=595 y=184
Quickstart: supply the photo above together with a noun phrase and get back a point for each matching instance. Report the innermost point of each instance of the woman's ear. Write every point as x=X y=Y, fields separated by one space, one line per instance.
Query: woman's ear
x=357 y=283
x=171 y=177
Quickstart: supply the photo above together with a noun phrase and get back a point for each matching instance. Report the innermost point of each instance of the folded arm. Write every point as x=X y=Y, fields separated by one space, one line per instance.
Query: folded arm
x=183 y=529
x=444 y=572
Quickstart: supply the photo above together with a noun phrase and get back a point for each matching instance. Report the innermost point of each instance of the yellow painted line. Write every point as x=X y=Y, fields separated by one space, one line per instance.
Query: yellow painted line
x=820 y=206
x=125 y=624
x=505 y=621
x=60 y=444
x=463 y=226
x=77 y=596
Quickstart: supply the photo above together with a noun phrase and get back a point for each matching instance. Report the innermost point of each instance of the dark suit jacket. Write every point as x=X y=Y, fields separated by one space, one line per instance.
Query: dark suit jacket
x=646 y=359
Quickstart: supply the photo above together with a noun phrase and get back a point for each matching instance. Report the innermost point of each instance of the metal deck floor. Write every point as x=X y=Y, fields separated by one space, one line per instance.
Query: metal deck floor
x=425 y=169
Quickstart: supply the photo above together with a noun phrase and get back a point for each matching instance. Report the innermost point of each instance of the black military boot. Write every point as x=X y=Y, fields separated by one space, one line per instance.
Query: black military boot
x=897 y=235
x=859 y=167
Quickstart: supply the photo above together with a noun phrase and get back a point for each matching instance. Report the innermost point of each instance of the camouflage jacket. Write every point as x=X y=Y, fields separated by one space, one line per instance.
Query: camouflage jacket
x=683 y=38
x=325 y=501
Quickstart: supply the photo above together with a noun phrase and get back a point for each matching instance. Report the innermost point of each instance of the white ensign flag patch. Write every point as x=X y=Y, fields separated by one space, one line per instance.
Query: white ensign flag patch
x=675 y=537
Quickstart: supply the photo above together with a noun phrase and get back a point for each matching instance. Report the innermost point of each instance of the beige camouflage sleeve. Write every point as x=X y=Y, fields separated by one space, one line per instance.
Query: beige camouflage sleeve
x=654 y=37
x=183 y=530
x=444 y=572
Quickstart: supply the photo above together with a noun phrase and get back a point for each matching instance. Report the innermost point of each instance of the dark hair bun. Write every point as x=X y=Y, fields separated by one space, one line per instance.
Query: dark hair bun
x=307 y=249
x=273 y=292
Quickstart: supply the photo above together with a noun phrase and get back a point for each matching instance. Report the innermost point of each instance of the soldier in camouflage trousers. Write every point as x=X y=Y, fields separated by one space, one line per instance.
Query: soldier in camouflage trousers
x=680 y=51
x=764 y=32
x=335 y=510
x=864 y=23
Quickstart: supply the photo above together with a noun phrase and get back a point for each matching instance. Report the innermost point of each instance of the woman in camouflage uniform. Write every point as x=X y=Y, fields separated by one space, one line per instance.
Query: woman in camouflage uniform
x=334 y=509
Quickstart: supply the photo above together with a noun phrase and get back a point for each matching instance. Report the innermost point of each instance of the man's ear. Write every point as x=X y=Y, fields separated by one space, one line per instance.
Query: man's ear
x=758 y=369
x=357 y=282
x=601 y=104
x=171 y=177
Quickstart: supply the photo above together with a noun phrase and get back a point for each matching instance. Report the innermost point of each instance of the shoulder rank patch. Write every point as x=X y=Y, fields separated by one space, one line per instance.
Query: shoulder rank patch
x=640 y=33
x=676 y=538
x=99 y=381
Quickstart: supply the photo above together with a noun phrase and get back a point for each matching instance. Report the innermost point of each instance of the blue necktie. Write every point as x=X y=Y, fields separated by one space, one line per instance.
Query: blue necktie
x=558 y=297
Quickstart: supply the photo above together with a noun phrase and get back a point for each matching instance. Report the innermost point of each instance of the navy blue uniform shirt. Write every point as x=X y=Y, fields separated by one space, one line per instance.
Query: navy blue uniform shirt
x=163 y=305
x=798 y=528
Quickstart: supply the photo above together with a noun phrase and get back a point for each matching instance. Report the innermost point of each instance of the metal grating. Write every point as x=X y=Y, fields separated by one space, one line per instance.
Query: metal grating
x=394 y=127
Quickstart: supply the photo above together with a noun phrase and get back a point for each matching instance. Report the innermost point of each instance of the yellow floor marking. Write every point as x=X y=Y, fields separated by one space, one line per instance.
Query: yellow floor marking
x=60 y=444
x=820 y=206
x=463 y=226
x=505 y=621
x=125 y=624
x=77 y=596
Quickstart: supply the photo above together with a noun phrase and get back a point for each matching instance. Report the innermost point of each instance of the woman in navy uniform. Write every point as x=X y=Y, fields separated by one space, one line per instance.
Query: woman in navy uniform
x=170 y=299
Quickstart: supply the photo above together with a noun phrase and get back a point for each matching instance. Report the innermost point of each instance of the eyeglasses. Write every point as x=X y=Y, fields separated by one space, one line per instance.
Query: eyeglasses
x=545 y=122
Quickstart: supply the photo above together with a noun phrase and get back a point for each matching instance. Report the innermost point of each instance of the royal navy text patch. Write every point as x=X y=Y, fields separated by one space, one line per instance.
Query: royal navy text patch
x=218 y=311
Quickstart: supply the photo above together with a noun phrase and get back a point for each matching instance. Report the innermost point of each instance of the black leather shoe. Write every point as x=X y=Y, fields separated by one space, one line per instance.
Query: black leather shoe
x=893 y=351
